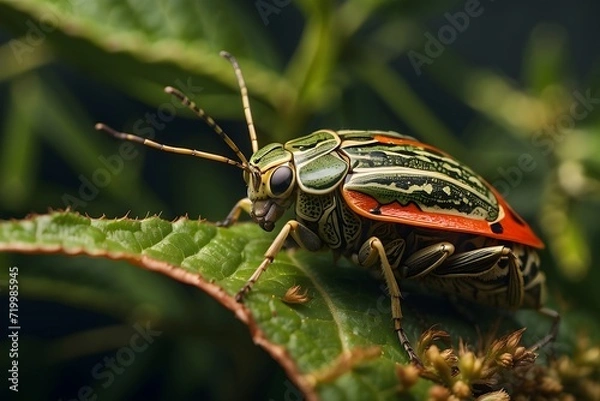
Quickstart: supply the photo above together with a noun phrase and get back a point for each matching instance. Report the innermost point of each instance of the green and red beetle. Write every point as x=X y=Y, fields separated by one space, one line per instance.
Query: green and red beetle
x=385 y=199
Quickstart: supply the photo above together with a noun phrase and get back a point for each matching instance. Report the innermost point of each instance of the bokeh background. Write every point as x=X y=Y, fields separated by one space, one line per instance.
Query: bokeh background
x=511 y=88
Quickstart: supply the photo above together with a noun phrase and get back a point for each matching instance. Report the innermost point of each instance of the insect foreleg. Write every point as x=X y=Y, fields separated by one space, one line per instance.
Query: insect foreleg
x=369 y=252
x=242 y=205
x=301 y=234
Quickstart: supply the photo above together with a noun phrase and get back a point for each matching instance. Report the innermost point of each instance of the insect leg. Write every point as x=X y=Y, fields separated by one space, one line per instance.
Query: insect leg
x=425 y=260
x=301 y=234
x=481 y=261
x=242 y=205
x=472 y=263
x=553 y=330
x=370 y=251
x=484 y=260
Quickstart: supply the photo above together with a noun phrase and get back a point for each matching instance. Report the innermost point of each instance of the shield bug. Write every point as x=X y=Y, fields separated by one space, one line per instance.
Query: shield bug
x=386 y=201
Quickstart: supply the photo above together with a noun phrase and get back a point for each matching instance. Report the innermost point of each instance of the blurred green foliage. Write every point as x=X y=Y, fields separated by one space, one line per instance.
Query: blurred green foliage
x=512 y=91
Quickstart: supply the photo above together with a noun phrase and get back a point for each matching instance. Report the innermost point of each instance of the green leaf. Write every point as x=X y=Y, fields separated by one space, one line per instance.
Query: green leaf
x=337 y=345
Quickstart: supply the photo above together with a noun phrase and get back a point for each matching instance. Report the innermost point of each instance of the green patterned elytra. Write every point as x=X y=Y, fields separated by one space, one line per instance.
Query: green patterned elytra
x=386 y=201
x=432 y=180
x=406 y=173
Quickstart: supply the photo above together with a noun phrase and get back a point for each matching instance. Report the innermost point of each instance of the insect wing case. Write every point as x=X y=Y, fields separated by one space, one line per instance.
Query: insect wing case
x=397 y=179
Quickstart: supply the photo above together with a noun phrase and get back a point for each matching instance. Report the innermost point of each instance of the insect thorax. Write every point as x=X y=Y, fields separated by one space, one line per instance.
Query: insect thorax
x=344 y=231
x=331 y=219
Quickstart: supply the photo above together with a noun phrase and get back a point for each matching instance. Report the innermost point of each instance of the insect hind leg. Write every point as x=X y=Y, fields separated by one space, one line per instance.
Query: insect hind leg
x=553 y=333
x=426 y=260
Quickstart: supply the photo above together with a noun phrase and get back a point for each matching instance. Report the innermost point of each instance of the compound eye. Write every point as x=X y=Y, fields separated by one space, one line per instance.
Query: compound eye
x=281 y=180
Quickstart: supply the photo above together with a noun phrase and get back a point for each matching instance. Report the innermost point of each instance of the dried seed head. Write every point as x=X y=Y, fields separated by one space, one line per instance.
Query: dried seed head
x=523 y=357
x=449 y=356
x=550 y=385
x=470 y=367
x=408 y=375
x=429 y=336
x=438 y=393
x=500 y=395
x=513 y=339
x=507 y=343
x=497 y=347
x=295 y=295
x=504 y=363
x=505 y=360
x=439 y=365
x=461 y=389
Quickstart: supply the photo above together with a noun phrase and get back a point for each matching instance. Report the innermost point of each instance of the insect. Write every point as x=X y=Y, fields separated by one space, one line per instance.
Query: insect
x=388 y=202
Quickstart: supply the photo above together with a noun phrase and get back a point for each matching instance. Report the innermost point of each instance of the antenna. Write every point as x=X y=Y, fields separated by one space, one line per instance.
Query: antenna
x=245 y=101
x=243 y=163
x=208 y=120
x=183 y=151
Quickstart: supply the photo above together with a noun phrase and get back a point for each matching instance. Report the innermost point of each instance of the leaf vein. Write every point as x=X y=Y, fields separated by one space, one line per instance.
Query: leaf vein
x=328 y=301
